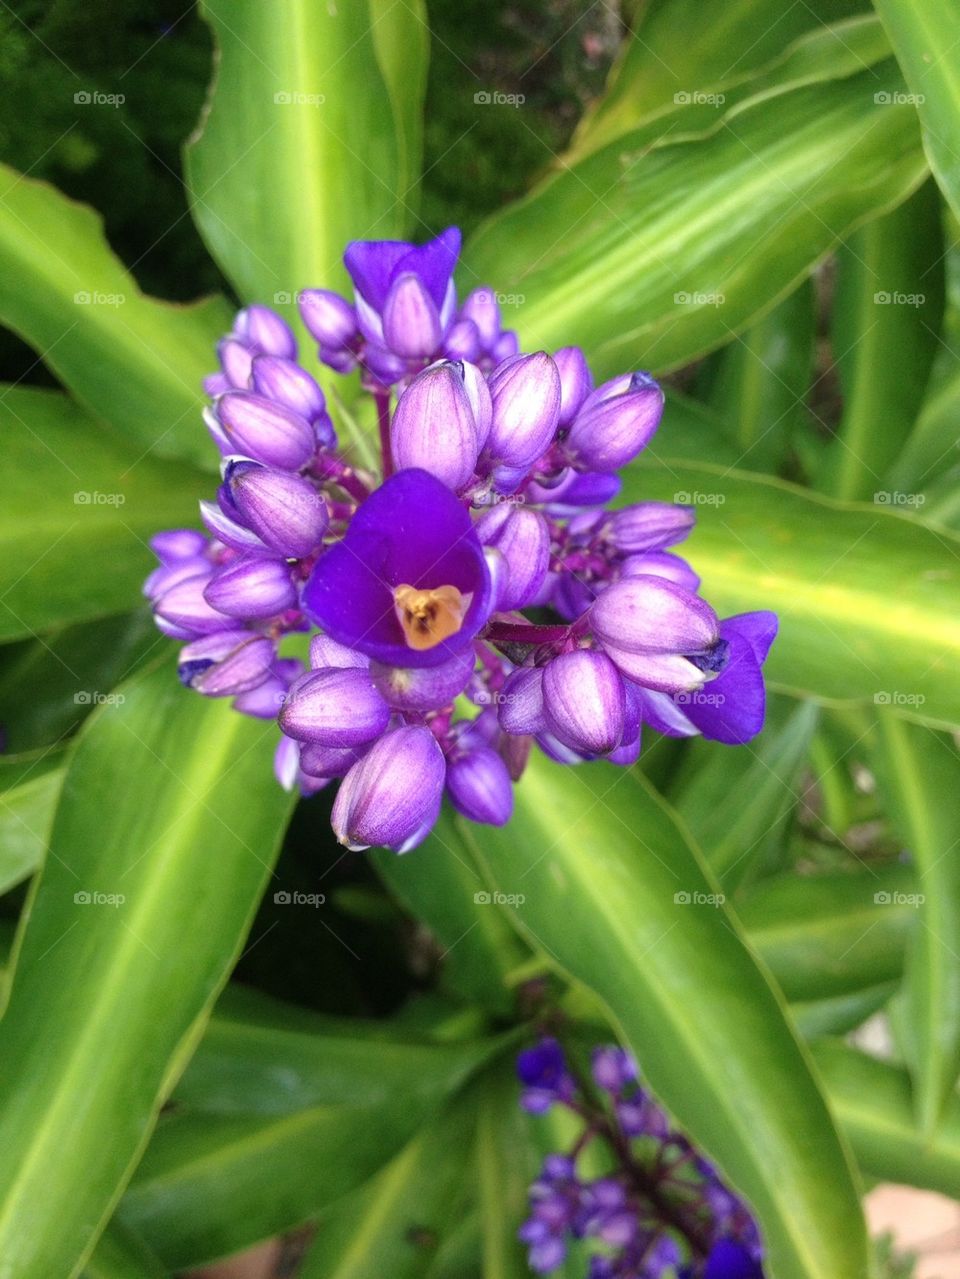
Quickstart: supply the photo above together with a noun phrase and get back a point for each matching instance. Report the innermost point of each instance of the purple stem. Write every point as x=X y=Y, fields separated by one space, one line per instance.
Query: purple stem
x=525 y=633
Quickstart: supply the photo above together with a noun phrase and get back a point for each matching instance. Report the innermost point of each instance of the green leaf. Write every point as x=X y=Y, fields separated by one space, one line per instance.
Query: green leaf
x=933 y=447
x=272 y=1059
x=925 y=35
x=763 y=378
x=874 y=1104
x=831 y=934
x=887 y=313
x=308 y=140
x=866 y=596
x=77 y=512
x=919 y=772
x=120 y=1254
x=76 y=667
x=168 y=804
x=393 y=1225
x=444 y=888
x=737 y=802
x=662 y=252
x=661 y=60
x=134 y=361
x=840 y=1014
x=26 y=818
x=504 y=1169
x=616 y=897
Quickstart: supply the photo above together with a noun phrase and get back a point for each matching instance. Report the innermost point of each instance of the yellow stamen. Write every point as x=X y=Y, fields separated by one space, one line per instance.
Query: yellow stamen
x=428 y=617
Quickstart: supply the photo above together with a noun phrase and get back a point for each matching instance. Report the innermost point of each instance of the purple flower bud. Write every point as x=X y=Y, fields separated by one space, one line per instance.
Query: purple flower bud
x=325 y=651
x=266 y=332
x=662 y=672
x=613 y=1068
x=650 y=526
x=526 y=402
x=506 y=346
x=661 y=564
x=329 y=761
x=288 y=384
x=392 y=796
x=462 y=342
x=584 y=701
x=575 y=490
x=178 y=544
x=576 y=382
x=479 y=786
x=482 y=309
x=411 y=322
x=383 y=364
x=334 y=707
x=423 y=688
x=478 y=394
x=215 y=384
x=264 y=431
x=653 y=616
x=184 y=605
x=433 y=426
x=523 y=539
x=253 y=587
x=226 y=664
x=227 y=530
x=329 y=318
x=521 y=702
x=218 y=434
x=264 y=701
x=615 y=422
x=236 y=359
x=285 y=510
x=167 y=575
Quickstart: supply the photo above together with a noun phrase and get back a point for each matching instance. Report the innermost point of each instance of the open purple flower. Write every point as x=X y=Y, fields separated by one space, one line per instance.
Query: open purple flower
x=408 y=585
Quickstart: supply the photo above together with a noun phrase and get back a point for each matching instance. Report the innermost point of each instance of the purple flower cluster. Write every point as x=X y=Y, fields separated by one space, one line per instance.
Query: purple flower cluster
x=425 y=676
x=659 y=1209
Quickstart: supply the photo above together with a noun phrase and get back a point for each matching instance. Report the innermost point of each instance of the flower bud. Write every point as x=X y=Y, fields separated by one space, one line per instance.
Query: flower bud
x=523 y=539
x=506 y=346
x=264 y=431
x=334 y=707
x=649 y=526
x=661 y=564
x=264 y=701
x=576 y=382
x=167 y=575
x=575 y=490
x=329 y=318
x=526 y=403
x=266 y=332
x=482 y=309
x=479 y=786
x=183 y=605
x=661 y=672
x=325 y=651
x=615 y=422
x=329 y=761
x=433 y=427
x=178 y=544
x=478 y=394
x=652 y=616
x=383 y=364
x=226 y=664
x=285 y=510
x=462 y=341
x=521 y=702
x=423 y=688
x=584 y=701
x=411 y=322
x=392 y=796
x=226 y=530
x=236 y=359
x=254 y=587
x=288 y=384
